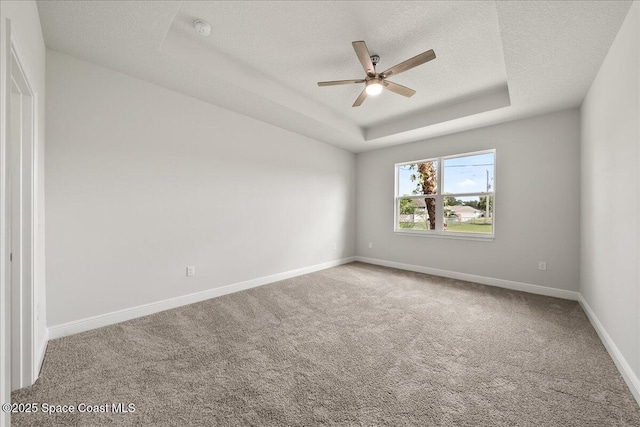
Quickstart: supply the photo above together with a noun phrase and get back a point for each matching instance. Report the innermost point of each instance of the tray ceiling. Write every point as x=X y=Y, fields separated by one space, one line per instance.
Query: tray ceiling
x=496 y=61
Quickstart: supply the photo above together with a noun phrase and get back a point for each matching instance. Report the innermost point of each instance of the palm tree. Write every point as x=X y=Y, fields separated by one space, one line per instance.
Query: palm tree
x=427 y=185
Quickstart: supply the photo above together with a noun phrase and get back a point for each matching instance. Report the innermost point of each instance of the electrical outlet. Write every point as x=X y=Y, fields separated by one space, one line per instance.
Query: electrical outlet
x=335 y=247
x=370 y=245
x=542 y=265
x=191 y=270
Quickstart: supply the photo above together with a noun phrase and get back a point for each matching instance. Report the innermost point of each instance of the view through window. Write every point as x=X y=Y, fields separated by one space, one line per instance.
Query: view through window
x=452 y=195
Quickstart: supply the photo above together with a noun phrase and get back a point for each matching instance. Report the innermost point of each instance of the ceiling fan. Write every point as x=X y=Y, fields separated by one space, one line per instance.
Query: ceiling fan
x=374 y=81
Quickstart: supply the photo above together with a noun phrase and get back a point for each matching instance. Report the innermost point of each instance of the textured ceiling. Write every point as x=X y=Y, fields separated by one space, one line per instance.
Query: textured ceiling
x=300 y=43
x=496 y=61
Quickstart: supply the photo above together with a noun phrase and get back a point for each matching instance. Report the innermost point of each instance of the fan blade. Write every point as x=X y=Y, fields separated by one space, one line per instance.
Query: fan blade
x=399 y=89
x=360 y=98
x=410 y=63
x=340 y=82
x=364 y=57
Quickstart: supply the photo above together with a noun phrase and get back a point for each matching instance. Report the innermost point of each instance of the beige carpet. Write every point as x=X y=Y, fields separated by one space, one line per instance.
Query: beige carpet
x=355 y=345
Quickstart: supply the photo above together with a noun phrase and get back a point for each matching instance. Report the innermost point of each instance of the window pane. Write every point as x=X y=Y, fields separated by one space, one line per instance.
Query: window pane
x=417 y=214
x=468 y=214
x=469 y=174
x=418 y=178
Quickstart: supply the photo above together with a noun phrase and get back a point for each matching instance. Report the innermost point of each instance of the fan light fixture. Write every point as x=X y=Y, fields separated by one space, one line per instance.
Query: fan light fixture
x=374 y=82
x=374 y=87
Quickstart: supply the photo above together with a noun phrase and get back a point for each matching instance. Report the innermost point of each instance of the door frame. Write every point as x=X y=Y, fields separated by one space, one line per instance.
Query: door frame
x=18 y=209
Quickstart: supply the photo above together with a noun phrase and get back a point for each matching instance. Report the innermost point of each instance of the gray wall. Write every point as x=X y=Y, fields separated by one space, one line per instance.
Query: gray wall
x=143 y=181
x=610 y=233
x=537 y=204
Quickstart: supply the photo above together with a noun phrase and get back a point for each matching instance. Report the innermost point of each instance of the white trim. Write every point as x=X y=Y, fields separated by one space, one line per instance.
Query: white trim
x=490 y=281
x=99 y=321
x=447 y=235
x=5 y=282
x=23 y=232
x=40 y=355
x=621 y=363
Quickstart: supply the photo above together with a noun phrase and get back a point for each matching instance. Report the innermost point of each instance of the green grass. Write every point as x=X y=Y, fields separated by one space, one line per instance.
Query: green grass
x=467 y=227
x=413 y=225
x=458 y=227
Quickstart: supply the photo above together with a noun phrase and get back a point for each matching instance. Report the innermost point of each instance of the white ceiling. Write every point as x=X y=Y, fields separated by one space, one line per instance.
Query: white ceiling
x=496 y=61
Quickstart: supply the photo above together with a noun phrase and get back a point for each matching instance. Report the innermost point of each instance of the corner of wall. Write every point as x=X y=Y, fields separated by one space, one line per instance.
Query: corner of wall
x=618 y=358
x=609 y=134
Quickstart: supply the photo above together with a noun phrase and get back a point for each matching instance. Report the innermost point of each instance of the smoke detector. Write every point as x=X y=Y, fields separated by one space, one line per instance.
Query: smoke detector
x=203 y=28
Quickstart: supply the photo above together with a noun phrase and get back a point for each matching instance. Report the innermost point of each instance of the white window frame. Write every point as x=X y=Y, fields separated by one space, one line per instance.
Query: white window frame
x=440 y=232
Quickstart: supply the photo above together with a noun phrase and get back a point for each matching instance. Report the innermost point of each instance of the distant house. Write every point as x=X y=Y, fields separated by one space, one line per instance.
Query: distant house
x=465 y=213
x=462 y=213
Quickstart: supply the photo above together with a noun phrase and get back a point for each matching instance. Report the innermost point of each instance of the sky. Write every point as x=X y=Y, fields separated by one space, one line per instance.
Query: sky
x=461 y=175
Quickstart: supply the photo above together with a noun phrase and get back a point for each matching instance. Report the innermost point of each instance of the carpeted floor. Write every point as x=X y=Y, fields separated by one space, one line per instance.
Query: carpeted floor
x=355 y=345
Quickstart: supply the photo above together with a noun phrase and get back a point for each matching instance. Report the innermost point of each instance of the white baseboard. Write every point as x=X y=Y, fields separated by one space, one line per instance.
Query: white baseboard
x=94 y=322
x=40 y=354
x=78 y=326
x=621 y=363
x=500 y=283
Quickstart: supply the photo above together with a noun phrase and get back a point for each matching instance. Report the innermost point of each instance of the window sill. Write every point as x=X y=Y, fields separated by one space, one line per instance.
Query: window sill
x=449 y=235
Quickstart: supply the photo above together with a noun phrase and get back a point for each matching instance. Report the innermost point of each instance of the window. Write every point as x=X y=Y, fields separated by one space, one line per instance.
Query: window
x=447 y=196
